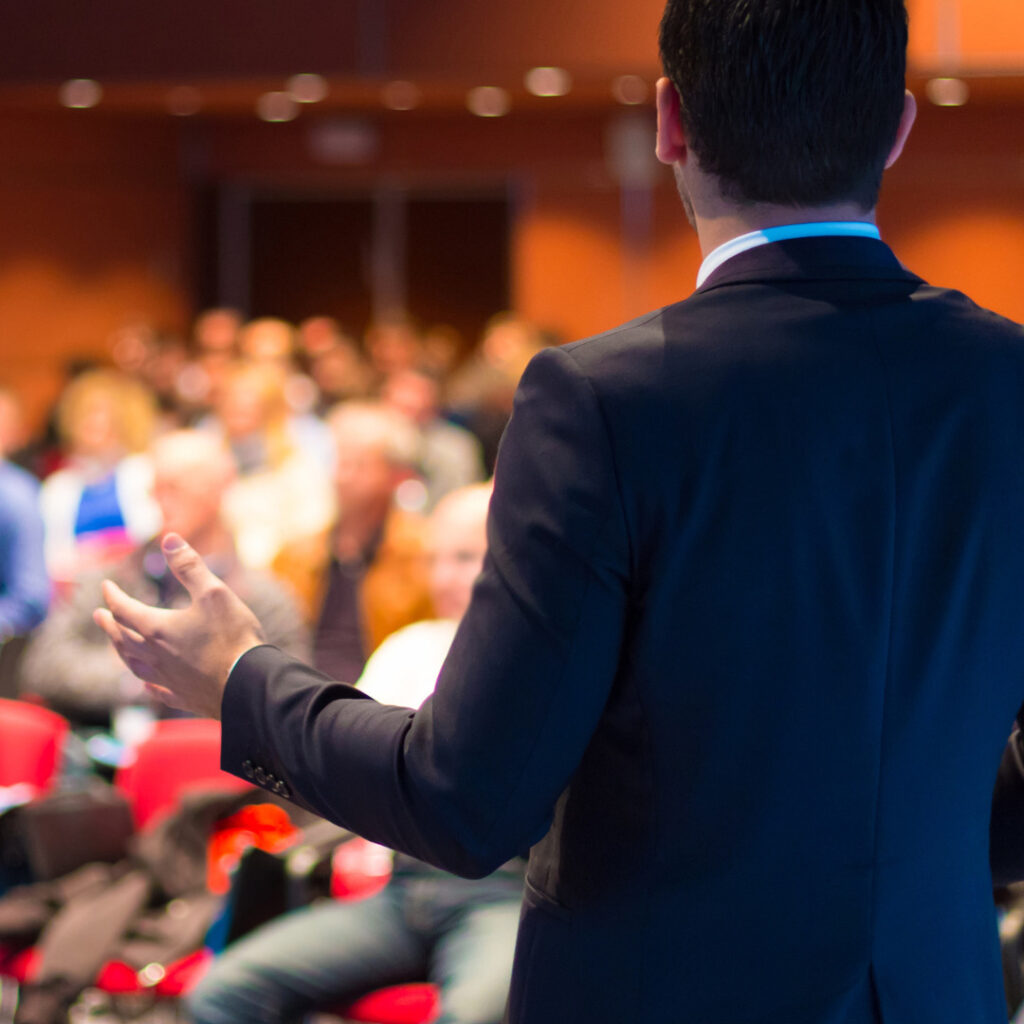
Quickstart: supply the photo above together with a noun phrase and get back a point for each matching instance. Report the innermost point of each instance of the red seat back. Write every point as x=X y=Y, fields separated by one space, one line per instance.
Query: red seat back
x=180 y=753
x=31 y=741
x=359 y=869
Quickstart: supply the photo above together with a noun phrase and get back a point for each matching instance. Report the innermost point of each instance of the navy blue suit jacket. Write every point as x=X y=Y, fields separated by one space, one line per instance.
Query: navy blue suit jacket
x=740 y=667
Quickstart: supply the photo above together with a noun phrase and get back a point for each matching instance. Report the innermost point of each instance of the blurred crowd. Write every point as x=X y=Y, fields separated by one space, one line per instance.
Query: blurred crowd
x=300 y=460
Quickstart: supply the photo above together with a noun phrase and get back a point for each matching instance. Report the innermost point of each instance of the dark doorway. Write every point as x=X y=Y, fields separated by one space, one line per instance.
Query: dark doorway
x=442 y=257
x=457 y=261
x=311 y=257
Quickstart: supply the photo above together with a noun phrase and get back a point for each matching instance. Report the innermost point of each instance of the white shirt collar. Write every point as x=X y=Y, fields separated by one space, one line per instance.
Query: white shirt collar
x=753 y=239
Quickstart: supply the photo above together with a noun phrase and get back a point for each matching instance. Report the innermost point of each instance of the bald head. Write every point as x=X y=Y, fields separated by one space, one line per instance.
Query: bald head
x=458 y=543
x=191 y=472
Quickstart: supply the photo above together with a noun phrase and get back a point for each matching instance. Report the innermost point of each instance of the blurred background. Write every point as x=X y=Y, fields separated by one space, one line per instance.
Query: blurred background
x=446 y=159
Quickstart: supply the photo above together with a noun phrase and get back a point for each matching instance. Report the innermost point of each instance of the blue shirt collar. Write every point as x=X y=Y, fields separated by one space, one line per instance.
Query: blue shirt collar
x=751 y=240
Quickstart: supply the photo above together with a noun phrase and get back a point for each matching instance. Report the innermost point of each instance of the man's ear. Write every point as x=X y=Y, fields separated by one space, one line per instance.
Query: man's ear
x=906 y=123
x=671 y=145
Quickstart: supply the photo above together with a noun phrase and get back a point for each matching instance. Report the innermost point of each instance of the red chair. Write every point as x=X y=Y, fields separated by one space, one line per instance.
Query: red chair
x=31 y=742
x=180 y=754
x=359 y=869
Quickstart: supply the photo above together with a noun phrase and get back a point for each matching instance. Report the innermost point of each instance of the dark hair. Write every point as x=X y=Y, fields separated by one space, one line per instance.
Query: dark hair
x=795 y=102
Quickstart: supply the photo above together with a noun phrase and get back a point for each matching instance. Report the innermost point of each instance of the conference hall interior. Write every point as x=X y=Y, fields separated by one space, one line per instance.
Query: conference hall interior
x=269 y=276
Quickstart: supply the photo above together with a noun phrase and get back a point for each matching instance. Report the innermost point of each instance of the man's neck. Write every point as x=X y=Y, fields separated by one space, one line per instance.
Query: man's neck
x=724 y=223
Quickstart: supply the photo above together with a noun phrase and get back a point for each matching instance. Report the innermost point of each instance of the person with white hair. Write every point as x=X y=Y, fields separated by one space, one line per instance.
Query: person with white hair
x=68 y=661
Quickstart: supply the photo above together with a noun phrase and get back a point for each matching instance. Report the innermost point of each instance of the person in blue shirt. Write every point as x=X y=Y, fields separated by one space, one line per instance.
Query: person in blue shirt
x=24 y=584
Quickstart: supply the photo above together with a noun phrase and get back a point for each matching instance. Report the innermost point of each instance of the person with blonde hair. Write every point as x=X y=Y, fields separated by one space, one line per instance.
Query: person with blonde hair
x=98 y=505
x=282 y=491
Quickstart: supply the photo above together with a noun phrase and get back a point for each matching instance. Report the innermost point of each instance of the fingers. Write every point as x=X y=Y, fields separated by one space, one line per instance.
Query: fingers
x=161 y=693
x=134 y=615
x=130 y=646
x=189 y=569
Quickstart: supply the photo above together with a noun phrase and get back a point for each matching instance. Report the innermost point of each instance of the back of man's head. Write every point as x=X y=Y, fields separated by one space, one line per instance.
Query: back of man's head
x=789 y=102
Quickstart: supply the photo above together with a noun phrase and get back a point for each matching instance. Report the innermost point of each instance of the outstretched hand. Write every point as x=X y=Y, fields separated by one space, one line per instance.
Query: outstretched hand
x=184 y=656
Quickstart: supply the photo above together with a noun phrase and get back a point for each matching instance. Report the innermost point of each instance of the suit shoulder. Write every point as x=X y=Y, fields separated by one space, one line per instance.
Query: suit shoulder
x=629 y=356
x=954 y=310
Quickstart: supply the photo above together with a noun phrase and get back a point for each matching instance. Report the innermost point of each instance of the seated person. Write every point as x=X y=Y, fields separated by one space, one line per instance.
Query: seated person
x=24 y=583
x=281 y=489
x=98 y=506
x=68 y=661
x=425 y=923
x=450 y=456
x=365 y=576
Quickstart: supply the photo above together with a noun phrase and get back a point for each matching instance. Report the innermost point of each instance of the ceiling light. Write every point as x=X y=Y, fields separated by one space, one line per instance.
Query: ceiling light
x=400 y=95
x=548 y=81
x=488 y=101
x=184 y=101
x=81 y=93
x=947 y=92
x=307 y=88
x=629 y=89
x=277 y=106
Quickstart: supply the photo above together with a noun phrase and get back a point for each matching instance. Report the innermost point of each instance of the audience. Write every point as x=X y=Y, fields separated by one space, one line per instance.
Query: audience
x=425 y=923
x=302 y=481
x=69 y=662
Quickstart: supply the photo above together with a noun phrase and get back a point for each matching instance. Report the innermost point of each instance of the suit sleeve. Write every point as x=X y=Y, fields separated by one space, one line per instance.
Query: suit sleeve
x=471 y=779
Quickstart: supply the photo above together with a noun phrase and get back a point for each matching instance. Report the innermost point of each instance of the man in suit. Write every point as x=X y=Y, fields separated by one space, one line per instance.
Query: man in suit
x=746 y=647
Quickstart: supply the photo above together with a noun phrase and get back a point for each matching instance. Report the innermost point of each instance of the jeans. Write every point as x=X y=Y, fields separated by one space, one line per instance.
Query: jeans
x=459 y=934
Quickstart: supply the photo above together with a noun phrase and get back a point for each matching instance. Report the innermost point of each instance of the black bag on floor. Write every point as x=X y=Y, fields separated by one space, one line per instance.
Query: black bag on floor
x=53 y=835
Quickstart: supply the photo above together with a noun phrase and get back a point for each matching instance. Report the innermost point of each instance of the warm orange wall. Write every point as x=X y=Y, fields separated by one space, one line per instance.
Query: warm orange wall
x=953 y=207
x=978 y=32
x=572 y=272
x=581 y=35
x=95 y=217
x=93 y=232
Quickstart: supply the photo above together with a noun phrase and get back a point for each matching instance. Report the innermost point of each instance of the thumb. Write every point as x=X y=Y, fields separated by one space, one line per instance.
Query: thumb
x=188 y=568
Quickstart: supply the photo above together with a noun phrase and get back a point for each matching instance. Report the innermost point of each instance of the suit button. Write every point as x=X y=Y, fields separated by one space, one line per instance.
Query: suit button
x=281 y=789
x=261 y=777
x=247 y=770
